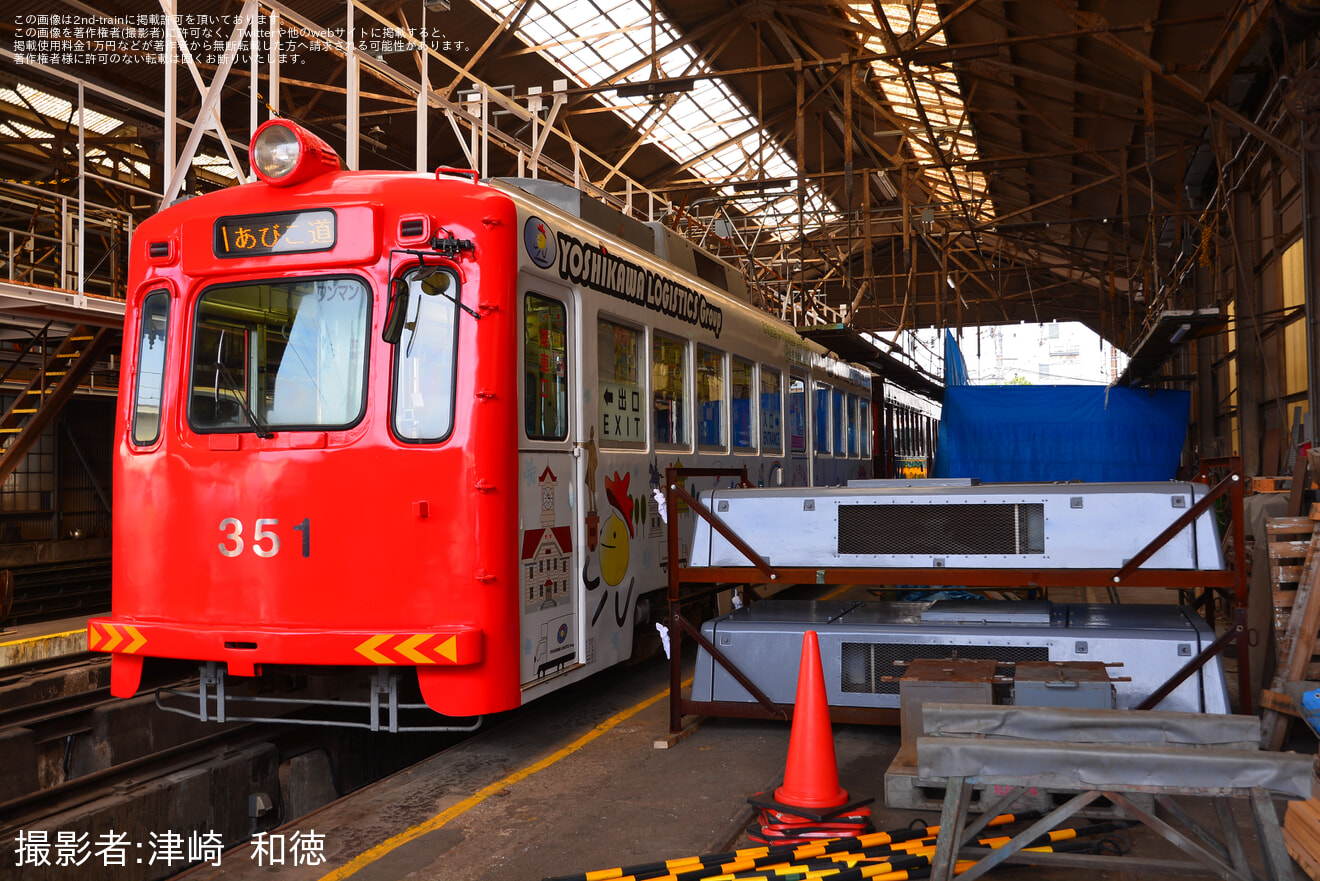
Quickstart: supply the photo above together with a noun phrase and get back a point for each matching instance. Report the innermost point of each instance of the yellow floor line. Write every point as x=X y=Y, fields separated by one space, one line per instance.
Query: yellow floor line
x=368 y=857
x=43 y=636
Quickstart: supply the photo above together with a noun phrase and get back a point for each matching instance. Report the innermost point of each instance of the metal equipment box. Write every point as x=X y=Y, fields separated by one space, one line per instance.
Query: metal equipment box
x=1079 y=684
x=860 y=641
x=994 y=526
x=941 y=681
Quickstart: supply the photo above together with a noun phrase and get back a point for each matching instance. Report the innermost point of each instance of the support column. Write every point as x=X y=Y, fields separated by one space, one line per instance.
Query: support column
x=1251 y=369
x=1310 y=266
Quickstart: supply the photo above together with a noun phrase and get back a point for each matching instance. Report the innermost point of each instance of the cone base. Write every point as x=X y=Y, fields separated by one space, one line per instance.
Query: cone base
x=767 y=801
x=816 y=800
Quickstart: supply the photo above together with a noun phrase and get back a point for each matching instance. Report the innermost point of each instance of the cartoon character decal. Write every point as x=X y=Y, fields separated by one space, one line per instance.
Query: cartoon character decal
x=615 y=550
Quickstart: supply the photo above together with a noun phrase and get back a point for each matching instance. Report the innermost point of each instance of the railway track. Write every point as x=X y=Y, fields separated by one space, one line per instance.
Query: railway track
x=57 y=590
x=29 y=810
x=86 y=766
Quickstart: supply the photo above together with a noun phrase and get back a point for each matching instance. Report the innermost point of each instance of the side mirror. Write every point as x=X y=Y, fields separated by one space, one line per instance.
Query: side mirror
x=396 y=313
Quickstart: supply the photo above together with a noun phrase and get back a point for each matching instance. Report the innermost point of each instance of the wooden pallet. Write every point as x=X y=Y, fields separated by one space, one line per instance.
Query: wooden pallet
x=1301 y=835
x=1296 y=613
x=1289 y=542
x=1271 y=484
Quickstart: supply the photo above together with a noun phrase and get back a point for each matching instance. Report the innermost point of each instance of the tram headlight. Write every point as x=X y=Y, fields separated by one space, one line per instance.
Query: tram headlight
x=283 y=153
x=275 y=152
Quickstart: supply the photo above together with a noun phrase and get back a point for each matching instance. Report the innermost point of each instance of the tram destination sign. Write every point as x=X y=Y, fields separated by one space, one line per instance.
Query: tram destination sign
x=286 y=232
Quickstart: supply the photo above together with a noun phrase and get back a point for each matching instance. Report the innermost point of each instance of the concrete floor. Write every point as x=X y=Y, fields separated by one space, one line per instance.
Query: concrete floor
x=575 y=783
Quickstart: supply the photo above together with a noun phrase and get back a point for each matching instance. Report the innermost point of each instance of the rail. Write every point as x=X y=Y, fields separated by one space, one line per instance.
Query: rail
x=690 y=584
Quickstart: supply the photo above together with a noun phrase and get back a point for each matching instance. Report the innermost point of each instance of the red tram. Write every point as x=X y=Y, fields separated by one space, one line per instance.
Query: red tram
x=381 y=425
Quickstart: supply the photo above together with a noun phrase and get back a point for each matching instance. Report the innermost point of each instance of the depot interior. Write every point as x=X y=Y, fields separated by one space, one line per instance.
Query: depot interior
x=1113 y=203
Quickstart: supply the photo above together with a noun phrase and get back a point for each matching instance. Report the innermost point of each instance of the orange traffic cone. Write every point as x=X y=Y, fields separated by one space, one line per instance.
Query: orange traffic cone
x=811 y=777
x=811 y=787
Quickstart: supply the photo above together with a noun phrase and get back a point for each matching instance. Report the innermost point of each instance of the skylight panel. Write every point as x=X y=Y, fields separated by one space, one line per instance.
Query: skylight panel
x=215 y=164
x=699 y=128
x=939 y=97
x=28 y=132
x=101 y=158
x=58 y=110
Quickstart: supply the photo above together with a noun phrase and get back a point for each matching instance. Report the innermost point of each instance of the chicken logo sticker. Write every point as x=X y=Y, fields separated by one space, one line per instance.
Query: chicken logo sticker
x=615 y=548
x=539 y=243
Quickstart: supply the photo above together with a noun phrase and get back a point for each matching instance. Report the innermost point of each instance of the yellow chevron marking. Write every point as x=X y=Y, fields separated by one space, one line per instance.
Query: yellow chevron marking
x=138 y=639
x=408 y=648
x=115 y=638
x=94 y=636
x=448 y=649
x=368 y=649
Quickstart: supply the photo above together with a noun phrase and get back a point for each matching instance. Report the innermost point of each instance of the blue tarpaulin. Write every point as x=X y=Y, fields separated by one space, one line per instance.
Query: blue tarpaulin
x=1011 y=433
x=955 y=366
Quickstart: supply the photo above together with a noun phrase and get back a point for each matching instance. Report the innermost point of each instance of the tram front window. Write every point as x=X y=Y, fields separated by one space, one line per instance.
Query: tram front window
x=279 y=355
x=424 y=359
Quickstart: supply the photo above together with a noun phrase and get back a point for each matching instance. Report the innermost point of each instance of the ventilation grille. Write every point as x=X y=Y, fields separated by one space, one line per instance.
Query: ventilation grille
x=942 y=529
x=158 y=249
x=865 y=664
x=412 y=229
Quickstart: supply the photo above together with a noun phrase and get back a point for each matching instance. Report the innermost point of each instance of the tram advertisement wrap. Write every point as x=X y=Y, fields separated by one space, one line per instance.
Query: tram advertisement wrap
x=591 y=266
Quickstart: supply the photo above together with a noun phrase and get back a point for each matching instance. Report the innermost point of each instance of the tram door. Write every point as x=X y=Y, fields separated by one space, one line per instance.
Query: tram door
x=550 y=465
x=799 y=444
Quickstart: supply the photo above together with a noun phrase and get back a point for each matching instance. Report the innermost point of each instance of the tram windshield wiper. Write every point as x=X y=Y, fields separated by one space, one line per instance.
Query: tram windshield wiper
x=222 y=372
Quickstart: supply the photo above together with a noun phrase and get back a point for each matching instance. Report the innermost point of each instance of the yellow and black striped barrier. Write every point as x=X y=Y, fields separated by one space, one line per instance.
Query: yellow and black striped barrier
x=874 y=846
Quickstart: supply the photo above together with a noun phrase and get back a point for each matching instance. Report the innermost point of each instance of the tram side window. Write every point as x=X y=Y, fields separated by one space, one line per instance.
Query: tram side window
x=710 y=398
x=545 y=365
x=740 y=405
x=840 y=422
x=150 y=367
x=772 y=411
x=822 y=427
x=619 y=355
x=864 y=427
x=797 y=414
x=668 y=390
x=853 y=425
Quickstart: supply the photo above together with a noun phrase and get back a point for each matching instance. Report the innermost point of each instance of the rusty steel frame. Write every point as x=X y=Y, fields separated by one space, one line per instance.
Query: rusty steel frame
x=714 y=578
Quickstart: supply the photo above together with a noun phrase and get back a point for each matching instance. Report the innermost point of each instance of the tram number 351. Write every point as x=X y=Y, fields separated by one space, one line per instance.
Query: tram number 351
x=265 y=540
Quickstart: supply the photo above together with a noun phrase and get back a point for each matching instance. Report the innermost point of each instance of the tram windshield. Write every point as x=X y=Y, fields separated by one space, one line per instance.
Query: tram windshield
x=284 y=355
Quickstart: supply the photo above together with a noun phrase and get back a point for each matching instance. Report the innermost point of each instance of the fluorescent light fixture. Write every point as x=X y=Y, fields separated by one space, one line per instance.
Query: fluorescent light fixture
x=656 y=88
x=777 y=183
x=1180 y=333
x=886 y=185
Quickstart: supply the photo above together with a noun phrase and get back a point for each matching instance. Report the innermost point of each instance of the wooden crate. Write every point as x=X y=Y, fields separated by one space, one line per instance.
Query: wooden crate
x=1301 y=834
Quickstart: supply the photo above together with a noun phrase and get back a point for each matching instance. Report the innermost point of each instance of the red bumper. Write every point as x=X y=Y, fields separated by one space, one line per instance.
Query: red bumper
x=244 y=650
